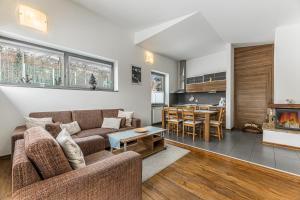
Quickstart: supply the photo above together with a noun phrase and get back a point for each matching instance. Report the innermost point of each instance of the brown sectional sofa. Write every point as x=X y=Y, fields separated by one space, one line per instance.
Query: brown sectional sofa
x=40 y=170
x=90 y=122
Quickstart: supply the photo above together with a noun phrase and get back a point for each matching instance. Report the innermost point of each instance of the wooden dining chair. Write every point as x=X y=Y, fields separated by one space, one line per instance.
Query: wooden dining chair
x=200 y=117
x=217 y=124
x=214 y=108
x=203 y=107
x=190 y=121
x=174 y=120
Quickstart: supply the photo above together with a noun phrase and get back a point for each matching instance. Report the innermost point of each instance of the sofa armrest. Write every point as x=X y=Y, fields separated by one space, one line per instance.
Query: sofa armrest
x=117 y=177
x=90 y=144
x=17 y=134
x=136 y=122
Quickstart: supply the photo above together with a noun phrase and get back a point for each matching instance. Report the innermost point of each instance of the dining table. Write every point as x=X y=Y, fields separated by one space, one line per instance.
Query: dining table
x=207 y=116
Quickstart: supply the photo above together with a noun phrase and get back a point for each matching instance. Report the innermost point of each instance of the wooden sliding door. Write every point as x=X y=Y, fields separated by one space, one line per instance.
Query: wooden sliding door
x=253 y=74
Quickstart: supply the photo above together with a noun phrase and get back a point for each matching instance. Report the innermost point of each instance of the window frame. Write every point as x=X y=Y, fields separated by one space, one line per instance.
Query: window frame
x=66 y=56
x=164 y=88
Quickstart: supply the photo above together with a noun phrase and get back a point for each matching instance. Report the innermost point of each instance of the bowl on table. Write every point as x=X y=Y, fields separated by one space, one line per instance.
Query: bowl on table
x=140 y=130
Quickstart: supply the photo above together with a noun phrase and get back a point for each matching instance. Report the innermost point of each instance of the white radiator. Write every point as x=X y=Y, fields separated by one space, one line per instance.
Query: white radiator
x=156 y=115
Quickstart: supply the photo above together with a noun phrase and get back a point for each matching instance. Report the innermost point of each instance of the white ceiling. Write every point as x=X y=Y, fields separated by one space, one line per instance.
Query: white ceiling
x=183 y=42
x=216 y=23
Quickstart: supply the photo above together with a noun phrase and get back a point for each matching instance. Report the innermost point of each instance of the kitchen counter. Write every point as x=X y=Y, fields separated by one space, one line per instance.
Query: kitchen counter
x=199 y=104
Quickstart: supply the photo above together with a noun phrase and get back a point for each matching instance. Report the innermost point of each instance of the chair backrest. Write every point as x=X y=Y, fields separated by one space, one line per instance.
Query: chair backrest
x=203 y=107
x=188 y=114
x=173 y=113
x=213 y=108
x=221 y=115
x=191 y=107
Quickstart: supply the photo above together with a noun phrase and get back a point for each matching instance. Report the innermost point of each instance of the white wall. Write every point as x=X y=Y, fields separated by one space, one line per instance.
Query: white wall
x=218 y=62
x=229 y=86
x=74 y=28
x=212 y=63
x=287 y=64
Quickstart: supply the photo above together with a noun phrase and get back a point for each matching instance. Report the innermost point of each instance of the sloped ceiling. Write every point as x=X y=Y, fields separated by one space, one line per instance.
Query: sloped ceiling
x=183 y=29
x=183 y=42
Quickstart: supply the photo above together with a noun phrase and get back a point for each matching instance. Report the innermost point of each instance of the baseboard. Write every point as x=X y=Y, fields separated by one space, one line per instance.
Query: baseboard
x=265 y=169
x=5 y=157
x=281 y=146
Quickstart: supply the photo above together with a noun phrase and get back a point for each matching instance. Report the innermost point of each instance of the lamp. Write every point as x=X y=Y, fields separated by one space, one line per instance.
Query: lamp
x=32 y=18
x=149 y=57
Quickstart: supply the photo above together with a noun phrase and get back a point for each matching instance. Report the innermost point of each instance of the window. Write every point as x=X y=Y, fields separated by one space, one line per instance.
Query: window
x=20 y=64
x=81 y=71
x=158 y=88
x=25 y=64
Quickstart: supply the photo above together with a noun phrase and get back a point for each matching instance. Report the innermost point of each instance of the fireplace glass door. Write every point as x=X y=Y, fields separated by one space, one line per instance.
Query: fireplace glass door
x=288 y=119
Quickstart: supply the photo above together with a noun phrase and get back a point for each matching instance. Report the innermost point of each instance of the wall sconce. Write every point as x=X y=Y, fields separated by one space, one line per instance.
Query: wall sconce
x=149 y=58
x=32 y=18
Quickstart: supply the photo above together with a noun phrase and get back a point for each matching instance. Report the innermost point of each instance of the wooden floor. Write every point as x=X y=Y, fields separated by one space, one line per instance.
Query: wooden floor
x=201 y=176
x=197 y=176
x=207 y=175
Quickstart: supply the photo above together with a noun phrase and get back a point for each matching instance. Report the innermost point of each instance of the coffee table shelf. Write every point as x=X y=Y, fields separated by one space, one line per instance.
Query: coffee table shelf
x=145 y=144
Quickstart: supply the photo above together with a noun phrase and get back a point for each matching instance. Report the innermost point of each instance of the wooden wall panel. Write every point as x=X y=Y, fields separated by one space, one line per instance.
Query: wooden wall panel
x=253 y=74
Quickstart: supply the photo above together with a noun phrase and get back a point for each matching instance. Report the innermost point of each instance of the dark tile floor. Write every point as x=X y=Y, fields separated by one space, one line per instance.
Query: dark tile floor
x=249 y=147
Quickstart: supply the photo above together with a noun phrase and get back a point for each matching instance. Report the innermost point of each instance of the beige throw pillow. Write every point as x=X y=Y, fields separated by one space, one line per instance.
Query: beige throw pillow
x=113 y=123
x=127 y=115
x=72 y=127
x=37 y=122
x=71 y=150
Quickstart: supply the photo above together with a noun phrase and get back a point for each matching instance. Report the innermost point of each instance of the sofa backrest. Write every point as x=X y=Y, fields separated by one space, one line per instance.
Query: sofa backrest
x=109 y=113
x=23 y=171
x=58 y=116
x=88 y=119
x=45 y=153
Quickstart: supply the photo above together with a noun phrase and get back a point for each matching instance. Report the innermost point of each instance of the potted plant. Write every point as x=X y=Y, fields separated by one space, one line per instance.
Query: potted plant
x=93 y=82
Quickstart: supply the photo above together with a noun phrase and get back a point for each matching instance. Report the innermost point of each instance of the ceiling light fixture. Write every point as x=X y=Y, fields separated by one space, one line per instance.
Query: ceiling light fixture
x=32 y=18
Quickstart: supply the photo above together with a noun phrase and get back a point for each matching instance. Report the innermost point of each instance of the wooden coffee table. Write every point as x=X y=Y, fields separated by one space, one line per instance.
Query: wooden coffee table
x=146 y=144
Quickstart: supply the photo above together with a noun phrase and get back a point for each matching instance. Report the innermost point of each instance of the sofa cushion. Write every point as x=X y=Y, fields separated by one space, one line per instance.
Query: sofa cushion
x=59 y=116
x=91 y=144
x=113 y=113
x=23 y=172
x=71 y=149
x=96 y=131
x=34 y=122
x=53 y=129
x=100 y=131
x=96 y=157
x=123 y=122
x=72 y=127
x=127 y=115
x=88 y=119
x=113 y=123
x=44 y=151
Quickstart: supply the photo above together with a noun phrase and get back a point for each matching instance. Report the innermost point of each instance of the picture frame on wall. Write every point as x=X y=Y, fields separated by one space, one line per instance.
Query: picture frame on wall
x=136 y=75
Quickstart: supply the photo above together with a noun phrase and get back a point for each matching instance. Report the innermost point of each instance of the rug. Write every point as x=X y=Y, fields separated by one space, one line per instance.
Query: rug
x=157 y=162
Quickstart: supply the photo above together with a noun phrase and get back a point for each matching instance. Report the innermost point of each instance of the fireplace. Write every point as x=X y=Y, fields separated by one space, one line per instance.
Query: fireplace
x=287 y=119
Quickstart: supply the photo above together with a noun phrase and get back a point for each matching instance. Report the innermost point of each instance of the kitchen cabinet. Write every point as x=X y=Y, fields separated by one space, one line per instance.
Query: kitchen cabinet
x=210 y=86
